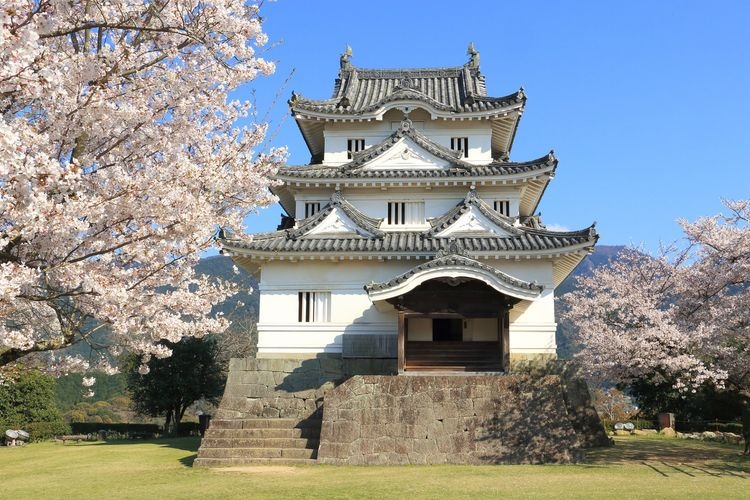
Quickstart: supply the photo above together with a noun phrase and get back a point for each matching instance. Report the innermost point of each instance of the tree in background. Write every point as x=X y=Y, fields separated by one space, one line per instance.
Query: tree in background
x=614 y=405
x=172 y=384
x=27 y=402
x=70 y=389
x=120 y=156
x=680 y=318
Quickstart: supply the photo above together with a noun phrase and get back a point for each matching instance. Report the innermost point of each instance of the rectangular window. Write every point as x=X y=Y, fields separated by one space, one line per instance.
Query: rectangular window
x=311 y=208
x=354 y=146
x=503 y=206
x=460 y=144
x=405 y=213
x=314 y=307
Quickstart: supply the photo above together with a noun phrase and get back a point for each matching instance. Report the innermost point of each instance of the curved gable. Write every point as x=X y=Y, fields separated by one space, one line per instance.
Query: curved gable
x=453 y=266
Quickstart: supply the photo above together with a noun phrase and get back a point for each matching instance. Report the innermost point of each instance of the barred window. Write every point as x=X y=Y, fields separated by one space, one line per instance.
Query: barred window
x=503 y=206
x=314 y=307
x=311 y=208
x=405 y=213
x=354 y=146
x=460 y=144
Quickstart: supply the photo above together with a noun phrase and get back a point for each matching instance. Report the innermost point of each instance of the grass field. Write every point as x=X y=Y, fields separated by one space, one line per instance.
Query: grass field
x=637 y=467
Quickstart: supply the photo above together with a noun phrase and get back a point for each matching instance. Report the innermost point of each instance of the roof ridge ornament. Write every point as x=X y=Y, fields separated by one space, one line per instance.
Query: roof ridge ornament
x=336 y=197
x=293 y=100
x=474 y=57
x=344 y=59
x=454 y=248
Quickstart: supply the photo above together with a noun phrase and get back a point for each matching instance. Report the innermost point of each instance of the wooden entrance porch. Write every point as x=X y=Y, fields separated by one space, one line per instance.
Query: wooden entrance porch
x=445 y=325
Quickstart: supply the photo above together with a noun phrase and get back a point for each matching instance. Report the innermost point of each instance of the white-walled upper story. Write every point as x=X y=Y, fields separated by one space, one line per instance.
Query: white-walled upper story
x=339 y=136
x=435 y=203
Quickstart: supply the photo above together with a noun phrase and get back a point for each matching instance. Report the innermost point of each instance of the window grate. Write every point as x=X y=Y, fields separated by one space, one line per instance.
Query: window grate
x=314 y=307
x=402 y=213
x=311 y=208
x=460 y=144
x=354 y=146
x=503 y=206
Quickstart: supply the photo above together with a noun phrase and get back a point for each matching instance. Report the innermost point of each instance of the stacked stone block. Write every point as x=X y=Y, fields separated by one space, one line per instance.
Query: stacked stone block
x=447 y=419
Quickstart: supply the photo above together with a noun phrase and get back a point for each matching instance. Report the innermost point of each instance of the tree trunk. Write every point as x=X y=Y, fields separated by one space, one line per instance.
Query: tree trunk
x=167 y=422
x=177 y=420
x=746 y=424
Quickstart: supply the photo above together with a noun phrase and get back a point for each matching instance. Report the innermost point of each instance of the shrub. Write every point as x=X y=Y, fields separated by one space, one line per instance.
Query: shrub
x=40 y=431
x=27 y=402
x=121 y=428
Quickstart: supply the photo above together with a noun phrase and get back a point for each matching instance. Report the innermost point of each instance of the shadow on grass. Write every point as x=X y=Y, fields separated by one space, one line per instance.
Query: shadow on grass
x=188 y=461
x=668 y=451
x=190 y=443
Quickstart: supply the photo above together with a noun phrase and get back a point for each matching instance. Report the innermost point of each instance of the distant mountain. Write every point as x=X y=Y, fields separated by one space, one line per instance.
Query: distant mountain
x=222 y=267
x=601 y=256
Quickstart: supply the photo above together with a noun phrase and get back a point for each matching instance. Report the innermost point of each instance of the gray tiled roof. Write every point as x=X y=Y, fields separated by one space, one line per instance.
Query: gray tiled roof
x=459 y=89
x=521 y=239
x=458 y=168
x=450 y=261
x=411 y=242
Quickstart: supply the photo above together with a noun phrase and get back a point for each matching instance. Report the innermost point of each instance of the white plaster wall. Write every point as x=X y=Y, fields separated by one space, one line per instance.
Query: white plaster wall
x=532 y=327
x=532 y=323
x=480 y=329
x=420 y=329
x=439 y=131
x=352 y=312
x=374 y=201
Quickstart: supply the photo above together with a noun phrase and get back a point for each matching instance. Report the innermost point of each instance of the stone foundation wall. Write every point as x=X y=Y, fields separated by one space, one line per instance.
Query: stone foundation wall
x=523 y=362
x=447 y=419
x=289 y=388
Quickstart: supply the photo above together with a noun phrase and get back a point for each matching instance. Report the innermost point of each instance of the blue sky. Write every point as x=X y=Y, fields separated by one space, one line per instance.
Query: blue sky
x=645 y=103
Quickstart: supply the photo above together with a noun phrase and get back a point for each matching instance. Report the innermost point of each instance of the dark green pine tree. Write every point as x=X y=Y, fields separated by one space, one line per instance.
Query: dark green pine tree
x=193 y=372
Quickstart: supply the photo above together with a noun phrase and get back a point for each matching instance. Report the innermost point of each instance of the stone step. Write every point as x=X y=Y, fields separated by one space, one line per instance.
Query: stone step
x=265 y=423
x=260 y=433
x=208 y=442
x=453 y=368
x=228 y=462
x=294 y=453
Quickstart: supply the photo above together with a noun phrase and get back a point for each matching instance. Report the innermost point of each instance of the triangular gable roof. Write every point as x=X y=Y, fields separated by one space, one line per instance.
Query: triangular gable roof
x=470 y=203
x=368 y=225
x=406 y=130
x=453 y=263
x=546 y=164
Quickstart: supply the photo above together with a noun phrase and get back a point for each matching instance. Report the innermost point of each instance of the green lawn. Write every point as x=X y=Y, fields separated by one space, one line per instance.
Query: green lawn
x=637 y=467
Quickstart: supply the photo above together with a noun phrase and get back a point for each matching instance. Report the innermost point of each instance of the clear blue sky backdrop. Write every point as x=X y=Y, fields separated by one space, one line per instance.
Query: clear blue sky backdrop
x=645 y=103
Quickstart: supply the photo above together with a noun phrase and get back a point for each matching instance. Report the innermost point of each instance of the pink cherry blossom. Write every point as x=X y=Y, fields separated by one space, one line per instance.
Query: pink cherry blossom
x=121 y=155
x=682 y=316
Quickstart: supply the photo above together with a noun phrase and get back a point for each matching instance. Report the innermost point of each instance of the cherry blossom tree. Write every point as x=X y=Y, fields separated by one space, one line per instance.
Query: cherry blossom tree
x=681 y=317
x=120 y=159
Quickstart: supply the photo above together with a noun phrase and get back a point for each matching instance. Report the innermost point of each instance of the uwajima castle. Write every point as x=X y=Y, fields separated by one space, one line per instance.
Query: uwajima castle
x=408 y=288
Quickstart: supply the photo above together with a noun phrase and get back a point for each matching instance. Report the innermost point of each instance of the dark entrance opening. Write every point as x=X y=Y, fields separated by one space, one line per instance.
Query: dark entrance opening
x=447 y=329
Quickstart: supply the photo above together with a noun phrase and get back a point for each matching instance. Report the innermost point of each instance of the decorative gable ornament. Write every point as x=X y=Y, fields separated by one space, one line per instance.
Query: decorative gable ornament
x=407 y=154
x=337 y=223
x=473 y=221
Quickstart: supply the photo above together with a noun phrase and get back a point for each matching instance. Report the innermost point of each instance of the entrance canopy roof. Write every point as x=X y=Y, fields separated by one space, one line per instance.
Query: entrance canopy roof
x=451 y=266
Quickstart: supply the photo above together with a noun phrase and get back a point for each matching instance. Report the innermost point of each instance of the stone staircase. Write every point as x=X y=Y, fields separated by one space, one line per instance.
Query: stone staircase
x=449 y=356
x=260 y=441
